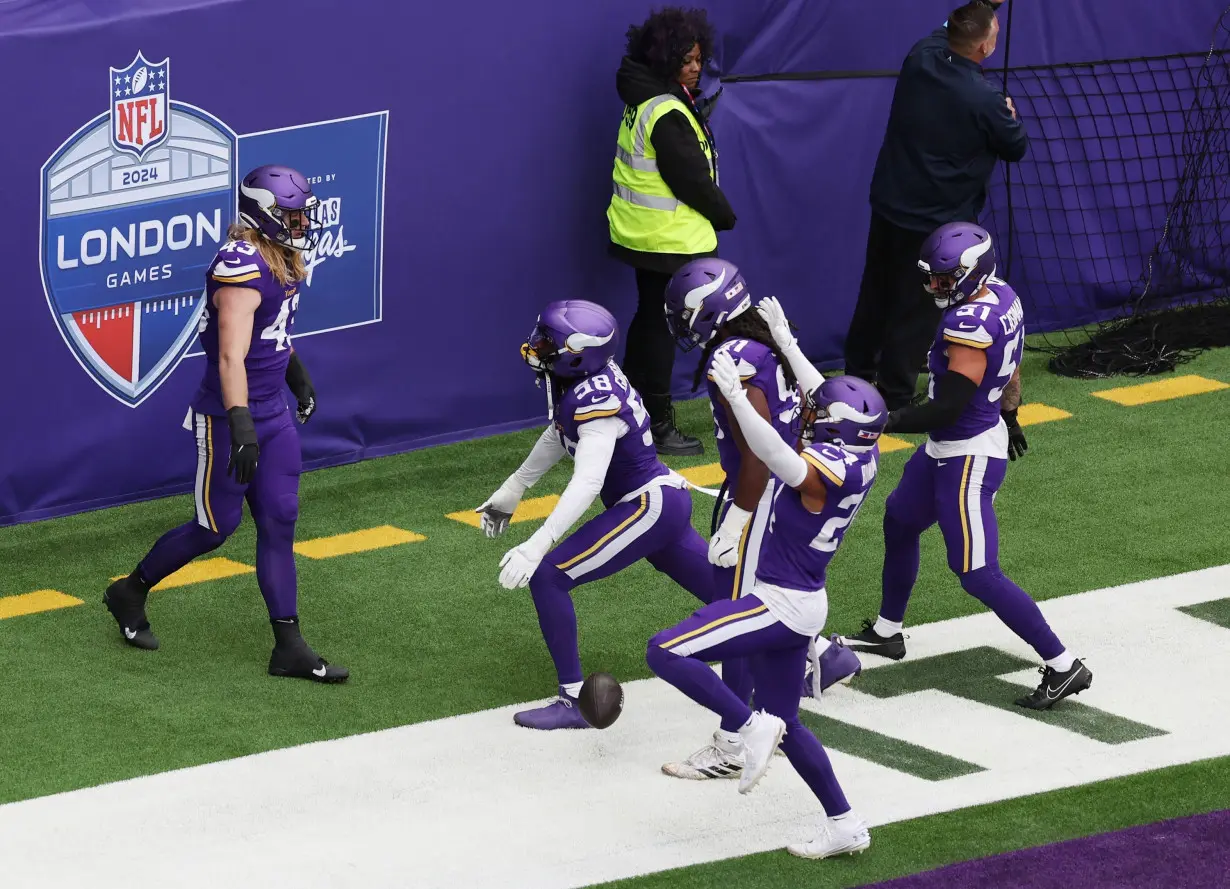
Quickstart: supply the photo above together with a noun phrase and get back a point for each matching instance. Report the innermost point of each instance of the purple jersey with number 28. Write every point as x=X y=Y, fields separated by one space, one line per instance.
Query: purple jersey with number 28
x=239 y=264
x=608 y=393
x=994 y=324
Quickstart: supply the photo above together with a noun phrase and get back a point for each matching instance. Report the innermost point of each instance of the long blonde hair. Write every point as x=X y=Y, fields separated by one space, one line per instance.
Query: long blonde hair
x=286 y=264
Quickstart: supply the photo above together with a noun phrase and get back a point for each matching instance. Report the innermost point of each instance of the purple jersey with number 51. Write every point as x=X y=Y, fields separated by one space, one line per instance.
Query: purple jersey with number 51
x=995 y=324
x=608 y=393
x=801 y=543
x=759 y=367
x=239 y=264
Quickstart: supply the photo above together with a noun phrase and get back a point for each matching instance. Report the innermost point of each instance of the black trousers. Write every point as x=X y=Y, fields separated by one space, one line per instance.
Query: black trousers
x=649 y=357
x=895 y=319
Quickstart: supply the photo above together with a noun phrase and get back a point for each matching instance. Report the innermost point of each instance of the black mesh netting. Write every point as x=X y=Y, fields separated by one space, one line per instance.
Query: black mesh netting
x=1115 y=223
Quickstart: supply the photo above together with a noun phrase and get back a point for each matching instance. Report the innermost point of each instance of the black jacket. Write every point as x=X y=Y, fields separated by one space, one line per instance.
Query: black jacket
x=681 y=162
x=947 y=129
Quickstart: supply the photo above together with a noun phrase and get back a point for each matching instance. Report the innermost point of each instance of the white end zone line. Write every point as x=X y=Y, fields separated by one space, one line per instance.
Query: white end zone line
x=474 y=801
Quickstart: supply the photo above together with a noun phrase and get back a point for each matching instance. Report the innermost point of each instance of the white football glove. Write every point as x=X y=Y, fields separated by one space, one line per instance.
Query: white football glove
x=771 y=311
x=725 y=375
x=724 y=547
x=520 y=562
x=498 y=511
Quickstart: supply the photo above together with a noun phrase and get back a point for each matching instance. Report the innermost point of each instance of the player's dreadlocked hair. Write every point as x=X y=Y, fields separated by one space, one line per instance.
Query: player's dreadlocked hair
x=748 y=326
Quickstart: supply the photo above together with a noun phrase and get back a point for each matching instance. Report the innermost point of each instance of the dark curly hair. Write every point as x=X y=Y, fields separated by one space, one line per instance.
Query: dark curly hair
x=748 y=326
x=667 y=36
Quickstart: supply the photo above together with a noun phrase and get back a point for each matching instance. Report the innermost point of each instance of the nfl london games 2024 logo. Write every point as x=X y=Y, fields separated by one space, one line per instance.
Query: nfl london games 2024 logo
x=136 y=203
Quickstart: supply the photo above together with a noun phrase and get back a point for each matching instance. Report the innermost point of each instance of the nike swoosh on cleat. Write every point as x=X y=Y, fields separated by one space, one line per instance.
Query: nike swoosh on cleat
x=1059 y=689
x=319 y=672
x=130 y=634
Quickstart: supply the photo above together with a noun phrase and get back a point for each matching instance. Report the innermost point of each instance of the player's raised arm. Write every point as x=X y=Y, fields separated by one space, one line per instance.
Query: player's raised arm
x=761 y=438
x=236 y=310
x=749 y=484
x=804 y=371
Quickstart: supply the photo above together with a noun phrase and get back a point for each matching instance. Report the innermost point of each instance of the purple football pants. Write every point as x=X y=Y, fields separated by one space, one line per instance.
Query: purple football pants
x=273 y=498
x=959 y=493
x=737 y=581
x=656 y=526
x=776 y=656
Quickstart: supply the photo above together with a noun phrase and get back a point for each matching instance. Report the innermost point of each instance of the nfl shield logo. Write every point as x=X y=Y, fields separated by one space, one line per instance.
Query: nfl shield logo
x=139 y=106
x=131 y=218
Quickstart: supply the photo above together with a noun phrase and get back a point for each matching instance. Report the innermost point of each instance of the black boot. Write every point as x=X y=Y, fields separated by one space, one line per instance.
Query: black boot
x=667 y=438
x=292 y=656
x=125 y=599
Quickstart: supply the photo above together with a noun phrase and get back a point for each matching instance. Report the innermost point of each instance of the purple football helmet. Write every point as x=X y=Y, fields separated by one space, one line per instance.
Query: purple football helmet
x=846 y=411
x=572 y=338
x=958 y=258
x=700 y=297
x=279 y=202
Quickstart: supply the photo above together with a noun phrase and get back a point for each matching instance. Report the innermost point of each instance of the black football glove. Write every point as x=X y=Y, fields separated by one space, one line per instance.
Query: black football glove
x=244 y=449
x=1016 y=436
x=301 y=385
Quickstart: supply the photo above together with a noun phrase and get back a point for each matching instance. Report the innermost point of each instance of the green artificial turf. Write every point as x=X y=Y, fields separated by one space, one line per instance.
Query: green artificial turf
x=1112 y=495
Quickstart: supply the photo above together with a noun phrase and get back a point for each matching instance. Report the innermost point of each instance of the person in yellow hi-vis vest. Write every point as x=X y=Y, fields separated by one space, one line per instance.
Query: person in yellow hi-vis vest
x=666 y=206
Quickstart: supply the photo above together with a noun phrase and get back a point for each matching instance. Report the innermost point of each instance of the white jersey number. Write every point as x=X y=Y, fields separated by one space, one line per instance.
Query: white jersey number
x=277 y=330
x=1008 y=368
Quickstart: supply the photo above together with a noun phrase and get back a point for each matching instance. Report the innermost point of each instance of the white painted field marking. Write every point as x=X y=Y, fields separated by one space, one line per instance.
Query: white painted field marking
x=474 y=801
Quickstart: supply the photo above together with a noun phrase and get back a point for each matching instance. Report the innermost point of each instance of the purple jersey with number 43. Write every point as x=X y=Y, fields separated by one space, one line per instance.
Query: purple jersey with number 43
x=239 y=264
x=608 y=393
x=801 y=543
x=995 y=324
x=758 y=366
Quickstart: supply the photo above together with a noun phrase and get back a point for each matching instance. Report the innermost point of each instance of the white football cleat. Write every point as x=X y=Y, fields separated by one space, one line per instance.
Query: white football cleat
x=716 y=760
x=760 y=739
x=849 y=836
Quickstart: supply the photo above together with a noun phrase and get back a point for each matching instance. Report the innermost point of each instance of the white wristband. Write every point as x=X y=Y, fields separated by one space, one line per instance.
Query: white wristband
x=735 y=520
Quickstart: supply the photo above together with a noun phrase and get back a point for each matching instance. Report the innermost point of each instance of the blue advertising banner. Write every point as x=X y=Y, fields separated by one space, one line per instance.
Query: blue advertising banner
x=482 y=138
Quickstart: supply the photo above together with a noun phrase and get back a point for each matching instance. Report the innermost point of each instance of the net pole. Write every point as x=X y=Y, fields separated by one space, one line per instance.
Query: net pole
x=1008 y=166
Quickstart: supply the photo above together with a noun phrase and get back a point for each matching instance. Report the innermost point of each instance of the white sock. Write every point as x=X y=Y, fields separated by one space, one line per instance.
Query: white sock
x=573 y=689
x=747 y=725
x=843 y=816
x=886 y=627
x=1063 y=663
x=729 y=742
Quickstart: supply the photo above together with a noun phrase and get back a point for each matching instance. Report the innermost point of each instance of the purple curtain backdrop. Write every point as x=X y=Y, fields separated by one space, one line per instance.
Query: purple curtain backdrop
x=471 y=190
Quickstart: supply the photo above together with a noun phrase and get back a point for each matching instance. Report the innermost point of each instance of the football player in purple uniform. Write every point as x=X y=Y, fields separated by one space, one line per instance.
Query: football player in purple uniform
x=252 y=292
x=598 y=419
x=971 y=422
x=708 y=304
x=776 y=624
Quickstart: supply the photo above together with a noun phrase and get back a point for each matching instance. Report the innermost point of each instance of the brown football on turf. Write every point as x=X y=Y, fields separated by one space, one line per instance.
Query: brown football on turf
x=601 y=700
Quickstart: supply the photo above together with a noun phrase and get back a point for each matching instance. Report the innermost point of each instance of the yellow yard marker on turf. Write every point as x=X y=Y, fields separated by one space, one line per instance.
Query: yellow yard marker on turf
x=709 y=474
x=1032 y=414
x=888 y=444
x=1162 y=390
x=527 y=511
x=356 y=542
x=33 y=603
x=199 y=572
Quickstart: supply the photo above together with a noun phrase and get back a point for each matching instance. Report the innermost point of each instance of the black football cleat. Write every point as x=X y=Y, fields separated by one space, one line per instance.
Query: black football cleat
x=293 y=657
x=873 y=643
x=125 y=599
x=1056 y=686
